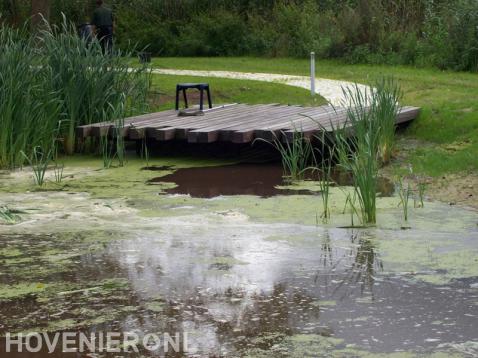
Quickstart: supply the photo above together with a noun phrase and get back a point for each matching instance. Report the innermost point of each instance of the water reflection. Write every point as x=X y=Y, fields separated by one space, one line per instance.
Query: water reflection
x=228 y=285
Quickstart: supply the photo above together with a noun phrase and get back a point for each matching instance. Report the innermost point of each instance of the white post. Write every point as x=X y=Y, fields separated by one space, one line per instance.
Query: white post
x=312 y=73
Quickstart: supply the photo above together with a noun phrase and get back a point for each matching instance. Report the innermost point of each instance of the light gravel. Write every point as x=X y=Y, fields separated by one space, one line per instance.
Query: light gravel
x=331 y=90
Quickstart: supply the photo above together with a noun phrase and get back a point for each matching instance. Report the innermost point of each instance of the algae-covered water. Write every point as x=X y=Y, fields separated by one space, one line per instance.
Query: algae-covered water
x=242 y=275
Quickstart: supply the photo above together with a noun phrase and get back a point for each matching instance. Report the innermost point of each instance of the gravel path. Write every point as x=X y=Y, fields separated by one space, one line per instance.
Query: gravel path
x=331 y=90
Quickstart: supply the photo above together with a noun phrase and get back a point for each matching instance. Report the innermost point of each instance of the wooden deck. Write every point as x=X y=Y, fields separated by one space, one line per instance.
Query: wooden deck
x=236 y=123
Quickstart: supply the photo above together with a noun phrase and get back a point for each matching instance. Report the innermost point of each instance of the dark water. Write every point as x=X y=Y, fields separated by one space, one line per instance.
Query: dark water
x=245 y=179
x=227 y=287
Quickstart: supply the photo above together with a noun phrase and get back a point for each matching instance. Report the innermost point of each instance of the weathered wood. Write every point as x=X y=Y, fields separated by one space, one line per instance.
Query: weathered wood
x=221 y=131
x=238 y=123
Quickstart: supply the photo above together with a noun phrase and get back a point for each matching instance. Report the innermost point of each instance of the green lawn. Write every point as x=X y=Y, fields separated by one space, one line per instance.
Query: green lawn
x=233 y=91
x=449 y=100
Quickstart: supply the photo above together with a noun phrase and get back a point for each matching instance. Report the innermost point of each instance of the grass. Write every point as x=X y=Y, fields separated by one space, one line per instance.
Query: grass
x=296 y=155
x=8 y=216
x=38 y=161
x=448 y=101
x=404 y=194
x=232 y=91
x=358 y=154
x=53 y=81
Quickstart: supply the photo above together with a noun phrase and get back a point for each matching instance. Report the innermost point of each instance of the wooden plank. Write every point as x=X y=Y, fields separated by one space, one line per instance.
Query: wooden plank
x=247 y=134
x=405 y=115
x=272 y=132
x=140 y=131
x=104 y=128
x=180 y=131
x=220 y=131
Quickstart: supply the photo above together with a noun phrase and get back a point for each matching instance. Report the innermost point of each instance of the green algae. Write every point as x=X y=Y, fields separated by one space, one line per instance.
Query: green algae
x=426 y=259
x=10 y=252
x=84 y=174
x=154 y=306
x=312 y=345
x=329 y=303
x=20 y=290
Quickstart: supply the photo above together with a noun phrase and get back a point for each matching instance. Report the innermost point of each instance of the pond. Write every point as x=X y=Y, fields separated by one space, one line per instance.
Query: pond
x=240 y=276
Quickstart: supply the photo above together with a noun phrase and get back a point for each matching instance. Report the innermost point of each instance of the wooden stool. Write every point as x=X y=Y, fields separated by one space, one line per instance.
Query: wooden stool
x=200 y=86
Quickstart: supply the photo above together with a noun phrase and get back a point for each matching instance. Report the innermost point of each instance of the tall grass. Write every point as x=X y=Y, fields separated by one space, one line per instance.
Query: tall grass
x=9 y=216
x=357 y=144
x=404 y=194
x=29 y=107
x=366 y=135
x=325 y=176
x=90 y=84
x=38 y=161
x=386 y=108
x=296 y=154
x=53 y=81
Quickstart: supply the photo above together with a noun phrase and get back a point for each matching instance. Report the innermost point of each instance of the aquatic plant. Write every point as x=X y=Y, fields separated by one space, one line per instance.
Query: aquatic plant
x=106 y=151
x=404 y=194
x=38 y=161
x=366 y=139
x=385 y=108
x=58 y=171
x=422 y=187
x=325 y=176
x=118 y=133
x=356 y=148
x=55 y=76
x=145 y=151
x=8 y=215
x=29 y=108
x=296 y=154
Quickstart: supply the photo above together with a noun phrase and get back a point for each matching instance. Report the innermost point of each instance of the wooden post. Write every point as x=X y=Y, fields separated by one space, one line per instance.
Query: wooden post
x=312 y=73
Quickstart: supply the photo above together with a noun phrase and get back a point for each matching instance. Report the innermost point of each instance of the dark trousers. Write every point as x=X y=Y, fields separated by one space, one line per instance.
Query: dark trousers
x=105 y=35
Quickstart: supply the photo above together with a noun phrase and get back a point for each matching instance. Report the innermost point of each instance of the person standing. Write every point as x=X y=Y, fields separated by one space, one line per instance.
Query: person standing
x=103 y=25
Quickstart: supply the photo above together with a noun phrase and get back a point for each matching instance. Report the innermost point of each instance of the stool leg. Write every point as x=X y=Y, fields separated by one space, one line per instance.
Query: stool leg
x=185 y=98
x=209 y=97
x=201 y=99
x=177 y=98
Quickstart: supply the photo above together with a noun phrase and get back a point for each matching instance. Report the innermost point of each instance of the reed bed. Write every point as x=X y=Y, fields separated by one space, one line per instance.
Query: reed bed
x=366 y=140
x=54 y=81
x=296 y=155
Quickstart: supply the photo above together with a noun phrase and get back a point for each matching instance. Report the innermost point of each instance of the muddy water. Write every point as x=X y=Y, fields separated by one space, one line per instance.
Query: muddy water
x=240 y=291
x=242 y=276
x=244 y=179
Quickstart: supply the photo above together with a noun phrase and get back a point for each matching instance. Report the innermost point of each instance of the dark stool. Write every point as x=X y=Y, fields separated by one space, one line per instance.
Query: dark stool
x=200 y=86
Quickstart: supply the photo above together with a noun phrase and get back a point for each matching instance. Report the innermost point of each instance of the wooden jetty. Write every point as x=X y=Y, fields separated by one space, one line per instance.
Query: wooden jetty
x=236 y=123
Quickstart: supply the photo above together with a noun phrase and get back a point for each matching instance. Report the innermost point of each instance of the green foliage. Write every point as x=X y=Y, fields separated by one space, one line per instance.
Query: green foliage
x=29 y=107
x=296 y=154
x=38 y=161
x=422 y=32
x=366 y=139
x=52 y=82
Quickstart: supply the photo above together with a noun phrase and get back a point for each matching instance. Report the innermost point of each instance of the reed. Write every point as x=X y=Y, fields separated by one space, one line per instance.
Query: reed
x=9 y=216
x=366 y=139
x=422 y=187
x=325 y=176
x=28 y=107
x=296 y=155
x=57 y=80
x=38 y=161
x=385 y=108
x=404 y=195
x=356 y=143
x=58 y=171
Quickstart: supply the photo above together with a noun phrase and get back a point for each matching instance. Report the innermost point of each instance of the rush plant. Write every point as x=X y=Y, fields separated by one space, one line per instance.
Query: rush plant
x=38 y=161
x=296 y=154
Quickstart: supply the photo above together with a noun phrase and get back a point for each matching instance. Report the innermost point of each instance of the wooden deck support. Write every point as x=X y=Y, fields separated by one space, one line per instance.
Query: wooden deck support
x=236 y=123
